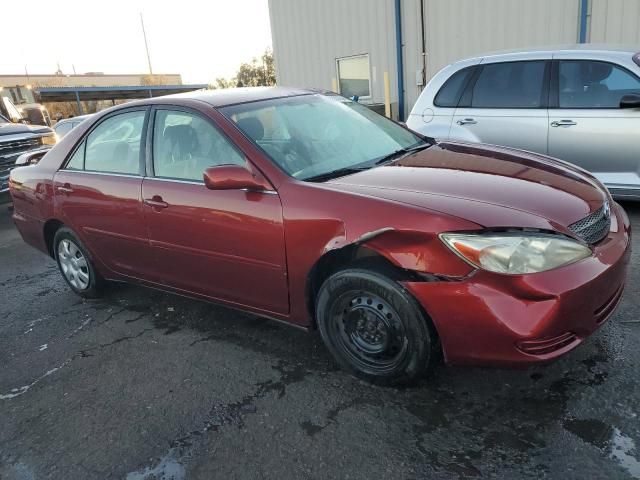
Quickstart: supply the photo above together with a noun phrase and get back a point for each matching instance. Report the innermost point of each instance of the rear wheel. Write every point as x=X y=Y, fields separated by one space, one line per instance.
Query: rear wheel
x=374 y=328
x=76 y=265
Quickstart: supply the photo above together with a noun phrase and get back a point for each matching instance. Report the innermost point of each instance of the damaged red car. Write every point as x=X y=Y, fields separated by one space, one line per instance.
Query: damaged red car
x=309 y=208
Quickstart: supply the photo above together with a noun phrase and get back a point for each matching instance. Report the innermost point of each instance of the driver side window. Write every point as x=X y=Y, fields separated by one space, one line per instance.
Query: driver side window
x=185 y=145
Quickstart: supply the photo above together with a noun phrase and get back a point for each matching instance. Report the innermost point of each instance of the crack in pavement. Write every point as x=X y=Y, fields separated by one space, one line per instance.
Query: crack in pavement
x=18 y=391
x=172 y=464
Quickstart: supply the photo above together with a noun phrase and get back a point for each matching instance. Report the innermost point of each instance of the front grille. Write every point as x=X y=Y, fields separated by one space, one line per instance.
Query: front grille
x=9 y=152
x=593 y=227
x=11 y=149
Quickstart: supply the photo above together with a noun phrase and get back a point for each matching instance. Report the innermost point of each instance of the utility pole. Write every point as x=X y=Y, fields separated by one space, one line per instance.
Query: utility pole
x=146 y=45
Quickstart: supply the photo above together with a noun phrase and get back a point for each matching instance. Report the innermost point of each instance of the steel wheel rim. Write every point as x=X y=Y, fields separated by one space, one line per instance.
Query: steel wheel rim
x=369 y=332
x=73 y=264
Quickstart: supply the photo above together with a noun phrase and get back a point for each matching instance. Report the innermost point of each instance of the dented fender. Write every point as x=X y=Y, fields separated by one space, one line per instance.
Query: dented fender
x=408 y=249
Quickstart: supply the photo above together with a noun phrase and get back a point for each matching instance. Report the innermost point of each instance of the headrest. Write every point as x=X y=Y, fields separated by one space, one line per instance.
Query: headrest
x=252 y=127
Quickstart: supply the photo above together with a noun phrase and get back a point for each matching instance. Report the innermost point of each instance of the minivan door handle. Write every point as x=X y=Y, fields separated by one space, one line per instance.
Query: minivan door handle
x=156 y=202
x=466 y=121
x=563 y=123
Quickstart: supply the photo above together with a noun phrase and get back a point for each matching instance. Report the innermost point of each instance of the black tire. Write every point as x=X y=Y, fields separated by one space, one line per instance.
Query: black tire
x=95 y=283
x=374 y=328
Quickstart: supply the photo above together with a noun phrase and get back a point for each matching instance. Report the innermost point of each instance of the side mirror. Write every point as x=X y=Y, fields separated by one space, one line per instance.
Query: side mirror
x=31 y=158
x=233 y=177
x=632 y=100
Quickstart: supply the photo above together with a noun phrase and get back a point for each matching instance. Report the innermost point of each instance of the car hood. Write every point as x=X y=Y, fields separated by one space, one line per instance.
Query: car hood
x=490 y=186
x=21 y=128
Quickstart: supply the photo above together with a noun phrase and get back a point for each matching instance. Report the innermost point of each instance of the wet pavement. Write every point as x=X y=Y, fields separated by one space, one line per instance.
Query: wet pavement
x=147 y=385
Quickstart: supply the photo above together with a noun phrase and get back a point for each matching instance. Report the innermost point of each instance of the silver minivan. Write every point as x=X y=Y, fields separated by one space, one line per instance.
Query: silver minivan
x=578 y=103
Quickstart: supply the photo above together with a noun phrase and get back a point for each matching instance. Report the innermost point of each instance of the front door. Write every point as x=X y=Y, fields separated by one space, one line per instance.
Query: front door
x=97 y=193
x=226 y=244
x=506 y=105
x=590 y=129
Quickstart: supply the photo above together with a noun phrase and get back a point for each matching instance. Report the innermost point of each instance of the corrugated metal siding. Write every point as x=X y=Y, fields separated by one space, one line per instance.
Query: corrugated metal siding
x=462 y=28
x=615 y=21
x=309 y=35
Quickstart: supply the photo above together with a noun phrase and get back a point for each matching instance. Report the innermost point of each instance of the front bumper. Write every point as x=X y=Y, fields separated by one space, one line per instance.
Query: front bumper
x=499 y=320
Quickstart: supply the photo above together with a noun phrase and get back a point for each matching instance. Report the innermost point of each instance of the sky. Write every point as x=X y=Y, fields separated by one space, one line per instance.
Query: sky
x=201 y=40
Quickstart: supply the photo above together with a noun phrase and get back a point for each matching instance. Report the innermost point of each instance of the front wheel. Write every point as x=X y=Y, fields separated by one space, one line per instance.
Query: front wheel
x=76 y=265
x=374 y=328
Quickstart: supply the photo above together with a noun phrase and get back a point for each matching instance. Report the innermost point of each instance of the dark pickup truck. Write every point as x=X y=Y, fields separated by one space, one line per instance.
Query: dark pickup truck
x=17 y=139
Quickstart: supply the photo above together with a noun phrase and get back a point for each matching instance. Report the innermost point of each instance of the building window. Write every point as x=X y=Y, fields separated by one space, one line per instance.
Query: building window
x=353 y=76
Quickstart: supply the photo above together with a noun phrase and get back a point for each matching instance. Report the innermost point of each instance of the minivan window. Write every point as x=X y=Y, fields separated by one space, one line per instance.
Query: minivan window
x=592 y=84
x=449 y=94
x=510 y=85
x=114 y=146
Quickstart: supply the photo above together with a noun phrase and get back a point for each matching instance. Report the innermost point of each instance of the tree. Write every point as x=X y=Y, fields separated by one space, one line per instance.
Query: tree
x=259 y=73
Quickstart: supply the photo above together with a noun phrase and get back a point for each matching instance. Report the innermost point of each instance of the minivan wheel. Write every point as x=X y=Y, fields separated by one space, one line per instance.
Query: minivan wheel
x=374 y=328
x=76 y=265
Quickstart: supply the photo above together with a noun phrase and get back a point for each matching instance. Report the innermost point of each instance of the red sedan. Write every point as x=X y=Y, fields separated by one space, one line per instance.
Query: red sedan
x=309 y=208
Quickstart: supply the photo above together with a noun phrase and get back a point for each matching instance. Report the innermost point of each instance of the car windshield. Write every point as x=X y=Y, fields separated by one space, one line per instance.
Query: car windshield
x=317 y=137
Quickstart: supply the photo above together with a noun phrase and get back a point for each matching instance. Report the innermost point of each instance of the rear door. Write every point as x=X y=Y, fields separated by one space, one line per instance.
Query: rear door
x=97 y=193
x=587 y=125
x=506 y=104
x=223 y=244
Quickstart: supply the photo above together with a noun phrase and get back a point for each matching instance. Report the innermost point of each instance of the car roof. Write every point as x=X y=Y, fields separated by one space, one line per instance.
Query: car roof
x=232 y=96
x=582 y=47
x=74 y=119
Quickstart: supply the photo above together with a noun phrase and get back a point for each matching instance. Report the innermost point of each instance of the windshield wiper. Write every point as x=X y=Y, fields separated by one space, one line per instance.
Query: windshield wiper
x=341 y=172
x=401 y=153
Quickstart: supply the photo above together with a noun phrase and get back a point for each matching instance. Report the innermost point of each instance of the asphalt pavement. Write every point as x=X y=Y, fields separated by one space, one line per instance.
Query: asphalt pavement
x=147 y=385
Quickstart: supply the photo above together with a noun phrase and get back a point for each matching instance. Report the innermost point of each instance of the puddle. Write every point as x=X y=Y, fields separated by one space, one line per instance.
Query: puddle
x=621 y=446
x=168 y=468
x=605 y=437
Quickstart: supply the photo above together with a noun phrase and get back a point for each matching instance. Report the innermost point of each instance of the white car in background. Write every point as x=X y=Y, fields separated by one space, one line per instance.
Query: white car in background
x=64 y=126
x=578 y=103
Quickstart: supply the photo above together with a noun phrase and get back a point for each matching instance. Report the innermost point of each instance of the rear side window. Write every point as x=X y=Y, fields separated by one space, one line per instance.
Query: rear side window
x=114 y=145
x=590 y=84
x=449 y=94
x=510 y=85
x=76 y=162
x=636 y=59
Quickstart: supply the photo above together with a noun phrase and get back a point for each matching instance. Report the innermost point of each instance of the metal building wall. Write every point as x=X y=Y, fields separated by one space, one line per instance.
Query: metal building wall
x=615 y=21
x=308 y=36
x=462 y=28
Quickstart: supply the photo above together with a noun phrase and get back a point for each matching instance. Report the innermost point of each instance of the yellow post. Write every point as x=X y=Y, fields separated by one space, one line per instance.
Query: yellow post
x=387 y=95
x=334 y=85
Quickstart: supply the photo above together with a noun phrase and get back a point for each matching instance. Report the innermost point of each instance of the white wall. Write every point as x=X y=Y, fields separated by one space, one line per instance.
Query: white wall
x=308 y=36
x=615 y=21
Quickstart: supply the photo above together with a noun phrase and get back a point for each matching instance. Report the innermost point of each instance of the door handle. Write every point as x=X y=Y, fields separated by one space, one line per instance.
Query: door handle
x=66 y=189
x=563 y=123
x=466 y=121
x=156 y=202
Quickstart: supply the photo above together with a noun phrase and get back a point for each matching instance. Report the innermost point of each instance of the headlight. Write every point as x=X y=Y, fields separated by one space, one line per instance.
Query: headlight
x=50 y=139
x=515 y=253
